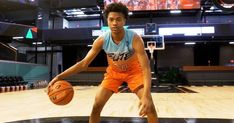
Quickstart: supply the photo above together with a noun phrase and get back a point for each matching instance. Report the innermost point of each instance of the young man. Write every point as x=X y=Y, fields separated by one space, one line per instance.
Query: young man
x=127 y=61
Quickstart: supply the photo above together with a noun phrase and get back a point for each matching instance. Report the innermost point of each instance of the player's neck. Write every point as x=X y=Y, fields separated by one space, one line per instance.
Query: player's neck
x=117 y=37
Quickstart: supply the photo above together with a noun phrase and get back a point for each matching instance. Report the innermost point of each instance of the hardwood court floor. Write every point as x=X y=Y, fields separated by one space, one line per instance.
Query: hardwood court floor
x=208 y=103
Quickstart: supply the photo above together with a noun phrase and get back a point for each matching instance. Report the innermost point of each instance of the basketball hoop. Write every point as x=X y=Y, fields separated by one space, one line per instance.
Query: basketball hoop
x=151 y=49
x=151 y=46
x=154 y=42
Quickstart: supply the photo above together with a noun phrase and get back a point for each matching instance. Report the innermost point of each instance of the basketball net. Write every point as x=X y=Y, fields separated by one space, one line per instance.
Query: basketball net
x=151 y=47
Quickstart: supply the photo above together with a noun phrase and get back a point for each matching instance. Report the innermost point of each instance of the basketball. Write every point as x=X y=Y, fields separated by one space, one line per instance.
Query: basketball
x=61 y=92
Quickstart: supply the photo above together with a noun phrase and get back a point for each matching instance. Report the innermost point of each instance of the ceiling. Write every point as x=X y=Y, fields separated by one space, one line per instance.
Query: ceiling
x=18 y=11
x=25 y=11
x=9 y=6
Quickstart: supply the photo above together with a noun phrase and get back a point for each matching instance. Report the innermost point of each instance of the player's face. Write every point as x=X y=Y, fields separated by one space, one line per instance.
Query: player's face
x=116 y=21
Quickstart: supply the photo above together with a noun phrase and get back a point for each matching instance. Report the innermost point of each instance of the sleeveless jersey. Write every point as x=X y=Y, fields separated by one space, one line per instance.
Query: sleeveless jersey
x=118 y=54
x=121 y=51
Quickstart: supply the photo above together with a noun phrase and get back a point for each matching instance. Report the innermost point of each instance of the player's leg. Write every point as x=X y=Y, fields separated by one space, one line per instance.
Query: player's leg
x=135 y=83
x=109 y=85
x=101 y=98
x=151 y=114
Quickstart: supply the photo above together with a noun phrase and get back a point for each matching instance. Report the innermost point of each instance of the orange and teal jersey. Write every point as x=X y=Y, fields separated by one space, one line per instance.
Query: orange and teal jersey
x=121 y=57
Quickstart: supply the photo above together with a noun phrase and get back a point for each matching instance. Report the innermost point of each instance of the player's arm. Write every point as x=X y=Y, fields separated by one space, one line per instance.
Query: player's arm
x=138 y=45
x=84 y=63
x=139 y=48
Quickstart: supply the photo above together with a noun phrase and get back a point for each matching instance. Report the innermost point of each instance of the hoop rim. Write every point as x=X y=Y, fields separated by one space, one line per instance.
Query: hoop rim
x=151 y=47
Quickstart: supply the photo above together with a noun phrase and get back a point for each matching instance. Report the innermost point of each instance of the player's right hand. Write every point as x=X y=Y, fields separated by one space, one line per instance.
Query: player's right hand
x=55 y=79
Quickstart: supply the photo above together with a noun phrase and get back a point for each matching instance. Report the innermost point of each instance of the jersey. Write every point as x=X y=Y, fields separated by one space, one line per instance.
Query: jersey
x=123 y=64
x=118 y=55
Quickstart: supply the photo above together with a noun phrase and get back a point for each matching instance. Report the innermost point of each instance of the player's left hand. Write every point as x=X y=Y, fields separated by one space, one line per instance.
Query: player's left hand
x=144 y=106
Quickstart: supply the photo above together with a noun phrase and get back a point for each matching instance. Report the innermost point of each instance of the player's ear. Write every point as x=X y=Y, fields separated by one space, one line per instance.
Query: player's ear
x=124 y=20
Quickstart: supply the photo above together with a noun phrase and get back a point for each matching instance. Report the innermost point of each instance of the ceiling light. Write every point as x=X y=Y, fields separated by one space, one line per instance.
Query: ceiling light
x=38 y=43
x=189 y=43
x=17 y=37
x=231 y=42
x=175 y=11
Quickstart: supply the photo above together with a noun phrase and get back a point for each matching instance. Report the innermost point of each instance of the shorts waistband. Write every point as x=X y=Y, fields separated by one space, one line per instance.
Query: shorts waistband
x=125 y=68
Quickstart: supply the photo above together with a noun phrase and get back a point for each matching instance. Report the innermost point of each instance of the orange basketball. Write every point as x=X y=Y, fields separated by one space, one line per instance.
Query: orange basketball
x=61 y=92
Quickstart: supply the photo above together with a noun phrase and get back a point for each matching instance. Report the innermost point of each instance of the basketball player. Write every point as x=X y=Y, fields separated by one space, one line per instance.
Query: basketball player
x=127 y=62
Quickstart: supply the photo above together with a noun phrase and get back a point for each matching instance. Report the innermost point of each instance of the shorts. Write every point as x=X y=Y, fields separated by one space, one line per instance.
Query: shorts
x=113 y=79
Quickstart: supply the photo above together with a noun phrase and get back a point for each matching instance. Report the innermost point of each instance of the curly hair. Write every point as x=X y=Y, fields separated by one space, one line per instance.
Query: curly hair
x=116 y=7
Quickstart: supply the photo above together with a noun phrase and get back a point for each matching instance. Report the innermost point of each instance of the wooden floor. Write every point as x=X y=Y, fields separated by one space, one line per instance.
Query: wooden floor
x=209 y=102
